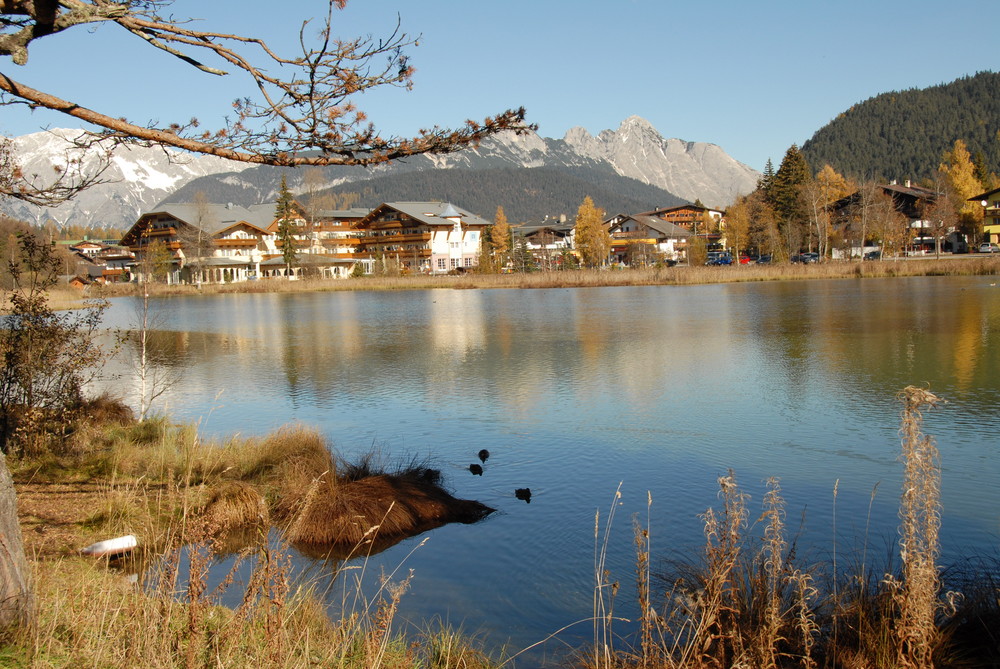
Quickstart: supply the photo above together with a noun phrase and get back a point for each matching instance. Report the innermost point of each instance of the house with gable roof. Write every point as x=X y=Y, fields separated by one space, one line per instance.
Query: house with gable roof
x=209 y=243
x=642 y=239
x=428 y=237
x=214 y=243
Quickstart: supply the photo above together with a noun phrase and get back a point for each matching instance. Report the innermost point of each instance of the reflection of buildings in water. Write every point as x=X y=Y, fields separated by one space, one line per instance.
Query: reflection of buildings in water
x=456 y=322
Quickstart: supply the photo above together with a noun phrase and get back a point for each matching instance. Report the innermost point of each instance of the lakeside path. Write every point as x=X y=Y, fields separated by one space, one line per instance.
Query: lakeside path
x=946 y=265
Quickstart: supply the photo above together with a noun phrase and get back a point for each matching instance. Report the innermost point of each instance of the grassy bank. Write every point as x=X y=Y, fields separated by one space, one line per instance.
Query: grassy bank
x=971 y=265
x=193 y=502
x=745 y=601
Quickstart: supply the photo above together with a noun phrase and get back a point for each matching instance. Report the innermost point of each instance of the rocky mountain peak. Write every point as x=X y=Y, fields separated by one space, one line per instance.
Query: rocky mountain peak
x=141 y=178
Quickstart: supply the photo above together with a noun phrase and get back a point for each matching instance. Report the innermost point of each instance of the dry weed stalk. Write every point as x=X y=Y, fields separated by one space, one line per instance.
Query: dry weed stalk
x=715 y=632
x=766 y=640
x=920 y=521
x=604 y=590
x=805 y=593
x=650 y=653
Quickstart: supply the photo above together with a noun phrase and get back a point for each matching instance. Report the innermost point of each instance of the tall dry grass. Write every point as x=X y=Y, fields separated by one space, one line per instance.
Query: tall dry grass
x=970 y=265
x=749 y=602
x=92 y=617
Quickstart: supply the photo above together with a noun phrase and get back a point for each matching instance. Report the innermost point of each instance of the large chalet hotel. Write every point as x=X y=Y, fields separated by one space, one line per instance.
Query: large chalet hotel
x=211 y=243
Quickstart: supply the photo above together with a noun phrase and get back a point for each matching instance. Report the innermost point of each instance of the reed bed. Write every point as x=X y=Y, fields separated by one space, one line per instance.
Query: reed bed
x=971 y=265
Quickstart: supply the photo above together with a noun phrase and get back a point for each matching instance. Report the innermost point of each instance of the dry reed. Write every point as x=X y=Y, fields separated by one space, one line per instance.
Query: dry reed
x=970 y=265
x=916 y=594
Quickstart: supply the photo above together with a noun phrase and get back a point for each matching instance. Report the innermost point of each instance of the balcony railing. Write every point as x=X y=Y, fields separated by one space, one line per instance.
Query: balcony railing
x=419 y=237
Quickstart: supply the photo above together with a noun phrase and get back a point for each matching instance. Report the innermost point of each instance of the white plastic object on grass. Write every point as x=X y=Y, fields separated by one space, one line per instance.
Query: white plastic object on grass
x=111 y=547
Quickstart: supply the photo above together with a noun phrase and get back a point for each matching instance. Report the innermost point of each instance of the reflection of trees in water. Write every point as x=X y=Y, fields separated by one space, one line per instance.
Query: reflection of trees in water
x=516 y=349
x=890 y=333
x=170 y=348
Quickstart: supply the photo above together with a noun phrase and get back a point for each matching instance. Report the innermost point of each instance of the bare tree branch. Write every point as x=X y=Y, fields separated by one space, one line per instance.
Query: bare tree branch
x=301 y=113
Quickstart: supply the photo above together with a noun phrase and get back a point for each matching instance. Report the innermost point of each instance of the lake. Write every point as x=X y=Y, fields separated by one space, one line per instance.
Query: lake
x=579 y=393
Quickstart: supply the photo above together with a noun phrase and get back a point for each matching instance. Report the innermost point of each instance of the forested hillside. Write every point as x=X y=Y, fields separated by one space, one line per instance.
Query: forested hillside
x=902 y=135
x=526 y=194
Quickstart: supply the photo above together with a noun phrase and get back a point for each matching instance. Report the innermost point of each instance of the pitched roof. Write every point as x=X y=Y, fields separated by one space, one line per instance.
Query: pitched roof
x=665 y=210
x=343 y=213
x=665 y=228
x=526 y=229
x=429 y=213
x=218 y=217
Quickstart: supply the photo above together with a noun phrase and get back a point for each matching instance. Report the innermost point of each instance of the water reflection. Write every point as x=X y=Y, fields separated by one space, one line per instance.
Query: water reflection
x=575 y=391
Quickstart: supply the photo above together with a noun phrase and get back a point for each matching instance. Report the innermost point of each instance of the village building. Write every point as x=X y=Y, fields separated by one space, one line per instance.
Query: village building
x=212 y=243
x=427 y=237
x=990 y=202
x=911 y=201
x=642 y=239
x=547 y=240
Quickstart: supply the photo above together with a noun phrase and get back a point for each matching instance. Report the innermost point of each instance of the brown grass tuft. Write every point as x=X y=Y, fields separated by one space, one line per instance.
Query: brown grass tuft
x=235 y=504
x=382 y=506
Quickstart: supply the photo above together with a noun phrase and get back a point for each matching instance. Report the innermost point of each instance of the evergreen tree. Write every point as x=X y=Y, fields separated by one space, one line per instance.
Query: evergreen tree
x=785 y=197
x=286 y=215
x=592 y=240
x=766 y=179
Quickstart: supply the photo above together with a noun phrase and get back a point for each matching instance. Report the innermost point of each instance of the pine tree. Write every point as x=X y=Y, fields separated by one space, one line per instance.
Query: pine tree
x=766 y=179
x=286 y=215
x=592 y=240
x=785 y=197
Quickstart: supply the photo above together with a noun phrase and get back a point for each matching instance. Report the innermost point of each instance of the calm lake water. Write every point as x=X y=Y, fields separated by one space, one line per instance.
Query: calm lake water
x=577 y=392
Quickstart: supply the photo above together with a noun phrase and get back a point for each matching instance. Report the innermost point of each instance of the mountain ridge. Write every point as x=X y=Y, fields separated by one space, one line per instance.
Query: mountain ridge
x=633 y=167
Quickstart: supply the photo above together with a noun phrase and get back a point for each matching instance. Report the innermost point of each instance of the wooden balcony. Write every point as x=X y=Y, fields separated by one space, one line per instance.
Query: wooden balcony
x=235 y=243
x=418 y=238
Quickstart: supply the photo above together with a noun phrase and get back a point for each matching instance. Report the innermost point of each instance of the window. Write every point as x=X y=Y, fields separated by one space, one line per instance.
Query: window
x=468 y=262
x=441 y=264
x=454 y=263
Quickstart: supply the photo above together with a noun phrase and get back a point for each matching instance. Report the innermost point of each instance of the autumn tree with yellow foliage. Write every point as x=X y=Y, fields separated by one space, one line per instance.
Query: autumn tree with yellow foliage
x=500 y=239
x=958 y=175
x=591 y=239
x=828 y=186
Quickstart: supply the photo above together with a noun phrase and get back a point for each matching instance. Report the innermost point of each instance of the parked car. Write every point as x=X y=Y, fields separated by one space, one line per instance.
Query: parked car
x=764 y=259
x=806 y=258
x=745 y=259
x=720 y=259
x=873 y=255
x=989 y=248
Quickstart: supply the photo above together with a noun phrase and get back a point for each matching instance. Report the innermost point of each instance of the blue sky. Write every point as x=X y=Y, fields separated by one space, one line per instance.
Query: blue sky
x=753 y=78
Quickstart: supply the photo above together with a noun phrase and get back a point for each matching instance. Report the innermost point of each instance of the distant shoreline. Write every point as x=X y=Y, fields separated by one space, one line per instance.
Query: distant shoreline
x=959 y=265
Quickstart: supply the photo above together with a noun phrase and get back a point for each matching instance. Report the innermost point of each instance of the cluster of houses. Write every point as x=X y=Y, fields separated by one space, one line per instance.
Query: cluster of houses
x=217 y=243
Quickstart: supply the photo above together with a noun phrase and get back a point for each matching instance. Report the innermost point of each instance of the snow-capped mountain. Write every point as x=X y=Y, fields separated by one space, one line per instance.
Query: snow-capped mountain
x=140 y=178
x=136 y=179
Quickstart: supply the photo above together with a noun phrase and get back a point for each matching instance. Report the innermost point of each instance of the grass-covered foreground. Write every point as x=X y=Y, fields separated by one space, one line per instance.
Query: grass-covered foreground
x=745 y=602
